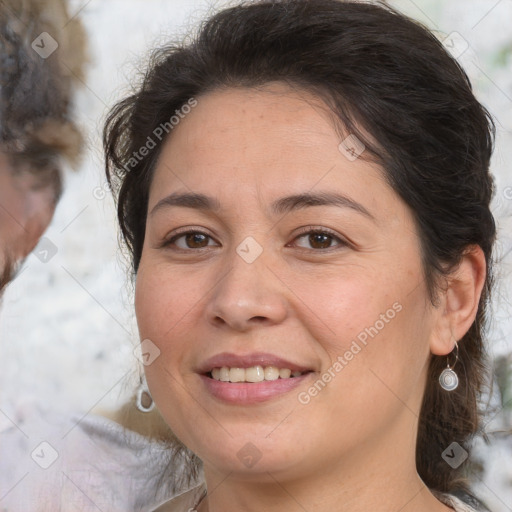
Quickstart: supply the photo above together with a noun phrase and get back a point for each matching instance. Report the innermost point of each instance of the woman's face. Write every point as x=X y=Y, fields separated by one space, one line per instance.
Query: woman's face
x=251 y=287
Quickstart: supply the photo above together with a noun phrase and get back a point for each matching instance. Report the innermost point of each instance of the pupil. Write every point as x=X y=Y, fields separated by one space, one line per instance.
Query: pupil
x=195 y=239
x=319 y=240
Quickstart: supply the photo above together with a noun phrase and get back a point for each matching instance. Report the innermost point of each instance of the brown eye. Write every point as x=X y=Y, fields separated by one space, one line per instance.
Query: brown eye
x=196 y=240
x=190 y=240
x=319 y=239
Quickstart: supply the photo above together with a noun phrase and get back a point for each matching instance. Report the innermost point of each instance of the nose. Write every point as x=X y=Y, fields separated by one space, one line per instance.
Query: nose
x=248 y=295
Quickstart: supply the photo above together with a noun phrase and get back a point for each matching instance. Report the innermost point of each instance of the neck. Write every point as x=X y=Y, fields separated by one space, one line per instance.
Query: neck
x=371 y=478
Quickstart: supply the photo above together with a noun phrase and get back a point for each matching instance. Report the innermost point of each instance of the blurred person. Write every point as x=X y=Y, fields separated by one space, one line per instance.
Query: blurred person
x=37 y=132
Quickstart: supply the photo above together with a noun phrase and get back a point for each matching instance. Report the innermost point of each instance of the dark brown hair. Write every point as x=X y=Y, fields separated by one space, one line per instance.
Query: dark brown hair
x=382 y=74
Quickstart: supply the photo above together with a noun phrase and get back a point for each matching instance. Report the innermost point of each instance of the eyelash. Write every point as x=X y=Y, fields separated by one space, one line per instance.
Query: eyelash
x=309 y=230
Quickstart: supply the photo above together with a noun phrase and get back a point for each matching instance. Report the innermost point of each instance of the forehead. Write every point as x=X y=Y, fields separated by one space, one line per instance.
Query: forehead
x=245 y=119
x=271 y=140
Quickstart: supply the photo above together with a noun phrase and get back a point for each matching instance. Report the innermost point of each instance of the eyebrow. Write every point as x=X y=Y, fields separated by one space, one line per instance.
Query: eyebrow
x=280 y=206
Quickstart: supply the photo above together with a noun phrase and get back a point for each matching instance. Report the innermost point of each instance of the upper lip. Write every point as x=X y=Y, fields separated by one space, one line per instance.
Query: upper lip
x=247 y=360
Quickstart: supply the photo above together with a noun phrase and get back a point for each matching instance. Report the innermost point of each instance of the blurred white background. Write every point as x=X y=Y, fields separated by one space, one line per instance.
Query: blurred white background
x=66 y=325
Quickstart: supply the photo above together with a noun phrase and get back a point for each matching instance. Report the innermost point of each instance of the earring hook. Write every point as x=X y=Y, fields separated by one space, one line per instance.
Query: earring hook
x=456 y=357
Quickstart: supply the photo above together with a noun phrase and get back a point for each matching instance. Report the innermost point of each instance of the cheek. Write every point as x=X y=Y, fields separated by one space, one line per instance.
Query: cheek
x=12 y=216
x=370 y=325
x=346 y=304
x=384 y=360
x=161 y=307
x=168 y=303
x=164 y=298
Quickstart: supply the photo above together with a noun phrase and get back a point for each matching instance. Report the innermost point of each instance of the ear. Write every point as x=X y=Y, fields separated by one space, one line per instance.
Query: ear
x=458 y=301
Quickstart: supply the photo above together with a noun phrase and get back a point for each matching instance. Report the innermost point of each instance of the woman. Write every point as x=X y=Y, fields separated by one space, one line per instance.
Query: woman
x=304 y=190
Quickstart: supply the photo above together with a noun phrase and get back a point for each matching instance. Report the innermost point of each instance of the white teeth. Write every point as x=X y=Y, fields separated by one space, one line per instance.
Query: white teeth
x=252 y=374
x=255 y=374
x=285 y=373
x=236 y=374
x=271 y=373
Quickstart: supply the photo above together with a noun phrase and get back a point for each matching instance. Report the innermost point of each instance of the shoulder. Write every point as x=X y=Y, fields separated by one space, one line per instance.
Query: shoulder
x=460 y=502
x=186 y=502
x=54 y=461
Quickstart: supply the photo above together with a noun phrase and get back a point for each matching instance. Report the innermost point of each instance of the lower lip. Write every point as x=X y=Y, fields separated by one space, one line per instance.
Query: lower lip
x=251 y=392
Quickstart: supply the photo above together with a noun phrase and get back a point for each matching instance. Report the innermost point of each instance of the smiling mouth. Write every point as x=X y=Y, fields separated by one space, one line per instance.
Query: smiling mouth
x=253 y=374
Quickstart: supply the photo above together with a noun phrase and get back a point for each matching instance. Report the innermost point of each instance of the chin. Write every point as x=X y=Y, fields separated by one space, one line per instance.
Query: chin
x=250 y=457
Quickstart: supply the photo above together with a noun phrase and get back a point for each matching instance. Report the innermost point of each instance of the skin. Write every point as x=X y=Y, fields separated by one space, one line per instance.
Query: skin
x=352 y=447
x=26 y=209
